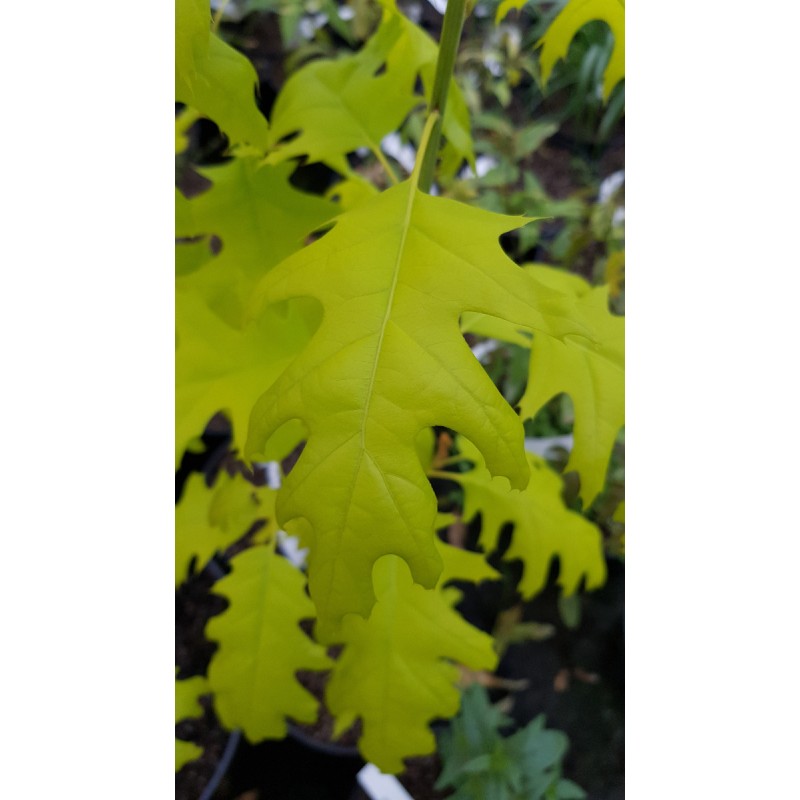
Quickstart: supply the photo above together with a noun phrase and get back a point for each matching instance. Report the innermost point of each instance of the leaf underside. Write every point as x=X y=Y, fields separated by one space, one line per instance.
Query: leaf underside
x=387 y=361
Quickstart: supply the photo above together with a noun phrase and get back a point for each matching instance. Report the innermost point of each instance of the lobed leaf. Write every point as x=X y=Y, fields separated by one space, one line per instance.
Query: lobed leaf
x=190 y=256
x=590 y=370
x=215 y=79
x=555 y=42
x=222 y=362
x=336 y=107
x=352 y=191
x=505 y=7
x=543 y=525
x=208 y=520
x=261 y=646
x=260 y=219
x=393 y=277
x=395 y=671
x=463 y=565
x=192 y=32
x=220 y=368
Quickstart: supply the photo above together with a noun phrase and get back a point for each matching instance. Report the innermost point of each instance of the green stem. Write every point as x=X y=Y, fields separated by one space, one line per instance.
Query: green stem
x=387 y=167
x=448 y=48
x=218 y=16
x=450 y=460
x=447 y=476
x=424 y=146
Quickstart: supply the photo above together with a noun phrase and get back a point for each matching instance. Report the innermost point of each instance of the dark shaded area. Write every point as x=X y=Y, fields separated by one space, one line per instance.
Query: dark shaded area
x=577 y=678
x=206 y=731
x=208 y=459
x=288 y=769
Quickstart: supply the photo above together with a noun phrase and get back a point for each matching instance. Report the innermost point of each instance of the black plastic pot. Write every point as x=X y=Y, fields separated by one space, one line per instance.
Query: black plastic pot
x=328 y=748
x=205 y=777
x=295 y=768
x=222 y=767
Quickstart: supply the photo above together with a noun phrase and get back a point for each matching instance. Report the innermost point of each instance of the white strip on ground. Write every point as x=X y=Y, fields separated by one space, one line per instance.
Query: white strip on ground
x=482 y=350
x=290 y=547
x=379 y=786
x=404 y=154
x=273 y=470
x=542 y=446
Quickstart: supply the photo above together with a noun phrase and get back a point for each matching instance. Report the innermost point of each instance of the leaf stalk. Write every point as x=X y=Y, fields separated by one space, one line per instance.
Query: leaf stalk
x=215 y=22
x=454 y=16
x=383 y=161
x=424 y=147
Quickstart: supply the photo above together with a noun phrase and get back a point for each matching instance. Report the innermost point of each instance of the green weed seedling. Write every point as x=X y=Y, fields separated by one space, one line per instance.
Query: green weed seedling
x=482 y=764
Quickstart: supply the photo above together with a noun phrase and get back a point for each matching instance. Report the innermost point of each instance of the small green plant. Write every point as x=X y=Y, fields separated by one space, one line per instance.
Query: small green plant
x=482 y=764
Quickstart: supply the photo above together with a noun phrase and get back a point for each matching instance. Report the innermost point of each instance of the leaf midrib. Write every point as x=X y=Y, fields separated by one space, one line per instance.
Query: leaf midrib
x=387 y=314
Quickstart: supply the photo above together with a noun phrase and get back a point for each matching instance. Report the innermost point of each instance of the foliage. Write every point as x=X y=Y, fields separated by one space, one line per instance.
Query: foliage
x=261 y=646
x=215 y=79
x=577 y=80
x=590 y=370
x=330 y=327
x=187 y=705
x=395 y=673
x=574 y=16
x=498 y=72
x=543 y=526
x=389 y=336
x=478 y=762
x=337 y=106
x=506 y=186
x=208 y=522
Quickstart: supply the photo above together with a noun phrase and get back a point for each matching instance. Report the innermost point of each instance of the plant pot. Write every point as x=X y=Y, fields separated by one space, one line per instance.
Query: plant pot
x=222 y=766
x=295 y=768
x=321 y=746
x=202 y=778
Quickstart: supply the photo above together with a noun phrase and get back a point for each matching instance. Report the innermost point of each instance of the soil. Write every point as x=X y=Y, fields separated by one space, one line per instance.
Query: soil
x=421 y=775
x=194 y=606
x=577 y=679
x=322 y=730
x=209 y=734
